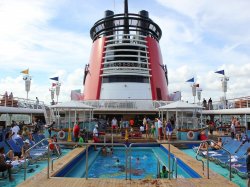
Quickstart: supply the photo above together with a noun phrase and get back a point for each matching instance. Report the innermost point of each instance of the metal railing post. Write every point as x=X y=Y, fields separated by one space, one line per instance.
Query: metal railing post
x=52 y=161
x=130 y=161
x=230 y=169
x=112 y=136
x=126 y=166
x=48 y=161
x=169 y=160
x=207 y=162
x=25 y=167
x=158 y=169
x=176 y=168
x=86 y=174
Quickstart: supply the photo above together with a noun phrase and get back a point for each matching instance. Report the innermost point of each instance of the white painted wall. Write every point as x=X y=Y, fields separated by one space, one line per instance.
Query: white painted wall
x=126 y=91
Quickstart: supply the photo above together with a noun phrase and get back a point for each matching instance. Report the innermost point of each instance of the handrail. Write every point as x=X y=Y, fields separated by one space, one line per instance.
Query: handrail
x=176 y=164
x=58 y=156
x=206 y=142
x=87 y=144
x=25 y=168
x=200 y=159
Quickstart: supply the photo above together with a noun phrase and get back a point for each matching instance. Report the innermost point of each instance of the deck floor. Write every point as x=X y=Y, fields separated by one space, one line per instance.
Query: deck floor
x=41 y=178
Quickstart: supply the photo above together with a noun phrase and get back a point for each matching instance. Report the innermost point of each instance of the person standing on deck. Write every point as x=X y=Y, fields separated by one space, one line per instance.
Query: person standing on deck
x=233 y=130
x=159 y=124
x=37 y=102
x=210 y=105
x=169 y=130
x=204 y=103
x=156 y=128
x=144 y=121
x=114 y=124
x=76 y=131
x=95 y=135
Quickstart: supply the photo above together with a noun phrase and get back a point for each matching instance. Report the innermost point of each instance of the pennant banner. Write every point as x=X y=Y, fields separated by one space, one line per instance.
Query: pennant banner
x=25 y=71
x=190 y=80
x=220 y=72
x=55 y=78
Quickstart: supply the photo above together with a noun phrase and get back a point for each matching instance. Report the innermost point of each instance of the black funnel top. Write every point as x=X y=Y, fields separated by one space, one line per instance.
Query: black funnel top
x=125 y=23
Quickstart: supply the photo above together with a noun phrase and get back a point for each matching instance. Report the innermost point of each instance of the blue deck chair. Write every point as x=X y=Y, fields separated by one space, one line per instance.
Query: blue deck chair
x=16 y=166
x=241 y=171
x=41 y=136
x=6 y=147
x=240 y=156
x=38 y=139
x=33 y=151
x=17 y=150
x=223 y=160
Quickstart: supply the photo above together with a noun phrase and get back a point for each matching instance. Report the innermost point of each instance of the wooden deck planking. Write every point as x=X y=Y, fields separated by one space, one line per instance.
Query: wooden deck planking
x=40 y=180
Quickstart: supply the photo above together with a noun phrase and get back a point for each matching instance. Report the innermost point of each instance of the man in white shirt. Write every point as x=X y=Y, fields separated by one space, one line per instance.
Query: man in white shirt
x=114 y=124
x=142 y=129
x=95 y=135
x=159 y=129
x=15 y=129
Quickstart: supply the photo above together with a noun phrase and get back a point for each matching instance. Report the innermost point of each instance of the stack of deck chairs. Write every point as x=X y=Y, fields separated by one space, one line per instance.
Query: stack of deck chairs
x=238 y=151
x=36 y=154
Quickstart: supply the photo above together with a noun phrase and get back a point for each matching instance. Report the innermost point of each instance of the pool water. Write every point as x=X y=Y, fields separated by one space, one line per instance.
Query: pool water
x=107 y=166
x=19 y=177
x=145 y=162
x=220 y=170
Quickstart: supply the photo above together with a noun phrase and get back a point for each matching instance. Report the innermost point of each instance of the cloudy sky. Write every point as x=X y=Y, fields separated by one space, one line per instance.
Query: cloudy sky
x=51 y=38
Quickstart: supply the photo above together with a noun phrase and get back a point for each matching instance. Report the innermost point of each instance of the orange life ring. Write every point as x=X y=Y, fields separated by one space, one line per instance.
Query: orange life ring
x=61 y=134
x=190 y=135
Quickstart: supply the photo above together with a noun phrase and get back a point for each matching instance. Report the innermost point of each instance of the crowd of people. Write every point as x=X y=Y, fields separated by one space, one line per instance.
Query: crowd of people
x=17 y=131
x=156 y=128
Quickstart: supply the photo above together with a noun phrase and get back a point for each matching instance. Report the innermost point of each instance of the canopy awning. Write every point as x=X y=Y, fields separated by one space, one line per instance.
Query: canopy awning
x=180 y=106
x=71 y=105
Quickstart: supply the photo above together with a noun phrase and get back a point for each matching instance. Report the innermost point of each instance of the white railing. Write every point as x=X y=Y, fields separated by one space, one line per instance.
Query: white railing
x=8 y=101
x=144 y=105
x=241 y=102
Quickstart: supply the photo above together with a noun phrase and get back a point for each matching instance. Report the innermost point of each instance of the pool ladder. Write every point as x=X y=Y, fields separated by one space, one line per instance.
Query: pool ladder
x=207 y=157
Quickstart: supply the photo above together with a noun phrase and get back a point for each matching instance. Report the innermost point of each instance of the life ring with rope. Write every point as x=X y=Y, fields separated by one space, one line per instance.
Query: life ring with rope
x=190 y=135
x=61 y=134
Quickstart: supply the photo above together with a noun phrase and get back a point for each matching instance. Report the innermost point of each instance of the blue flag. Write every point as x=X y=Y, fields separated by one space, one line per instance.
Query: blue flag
x=220 y=72
x=190 y=80
x=55 y=78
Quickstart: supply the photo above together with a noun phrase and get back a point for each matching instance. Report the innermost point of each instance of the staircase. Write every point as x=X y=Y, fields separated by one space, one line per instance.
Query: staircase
x=47 y=119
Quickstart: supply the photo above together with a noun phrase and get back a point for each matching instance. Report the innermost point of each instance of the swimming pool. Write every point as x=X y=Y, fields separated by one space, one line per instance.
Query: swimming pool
x=145 y=164
x=218 y=169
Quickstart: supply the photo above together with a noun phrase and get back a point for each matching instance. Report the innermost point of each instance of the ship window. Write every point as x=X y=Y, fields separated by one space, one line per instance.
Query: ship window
x=124 y=78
